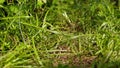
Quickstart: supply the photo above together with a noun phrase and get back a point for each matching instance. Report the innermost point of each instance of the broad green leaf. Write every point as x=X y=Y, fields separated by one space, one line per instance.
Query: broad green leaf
x=14 y=9
x=2 y=1
x=39 y=3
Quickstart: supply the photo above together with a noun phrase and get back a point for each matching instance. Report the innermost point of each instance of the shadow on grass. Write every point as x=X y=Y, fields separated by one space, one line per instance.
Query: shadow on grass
x=115 y=64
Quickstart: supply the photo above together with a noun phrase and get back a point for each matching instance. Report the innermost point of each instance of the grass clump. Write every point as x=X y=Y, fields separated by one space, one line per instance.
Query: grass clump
x=59 y=34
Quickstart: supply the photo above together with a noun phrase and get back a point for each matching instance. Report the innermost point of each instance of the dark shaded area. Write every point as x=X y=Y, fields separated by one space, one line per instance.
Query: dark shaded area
x=3 y=12
x=7 y=2
x=116 y=2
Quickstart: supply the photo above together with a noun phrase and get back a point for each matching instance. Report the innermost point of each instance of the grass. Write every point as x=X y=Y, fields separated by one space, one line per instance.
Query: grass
x=59 y=34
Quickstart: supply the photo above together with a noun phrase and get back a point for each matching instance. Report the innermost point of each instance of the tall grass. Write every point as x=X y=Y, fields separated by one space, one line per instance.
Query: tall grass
x=59 y=33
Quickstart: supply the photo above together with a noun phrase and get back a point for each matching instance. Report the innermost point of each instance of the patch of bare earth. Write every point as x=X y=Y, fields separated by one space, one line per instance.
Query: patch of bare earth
x=68 y=58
